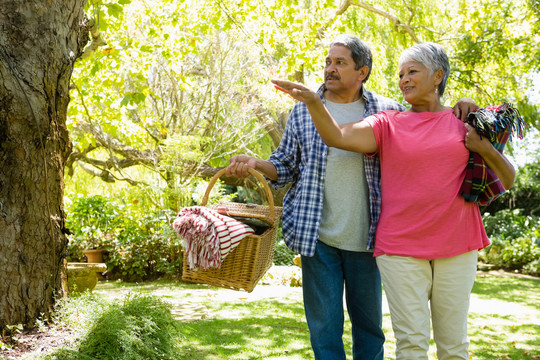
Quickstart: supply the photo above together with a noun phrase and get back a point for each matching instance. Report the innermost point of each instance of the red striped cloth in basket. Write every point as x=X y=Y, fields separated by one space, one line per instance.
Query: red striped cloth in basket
x=207 y=236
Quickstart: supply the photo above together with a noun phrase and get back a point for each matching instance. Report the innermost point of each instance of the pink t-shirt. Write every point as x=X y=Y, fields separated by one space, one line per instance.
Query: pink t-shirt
x=423 y=160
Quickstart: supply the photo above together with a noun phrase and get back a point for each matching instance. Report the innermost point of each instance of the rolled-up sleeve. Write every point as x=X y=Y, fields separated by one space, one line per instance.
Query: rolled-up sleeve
x=286 y=158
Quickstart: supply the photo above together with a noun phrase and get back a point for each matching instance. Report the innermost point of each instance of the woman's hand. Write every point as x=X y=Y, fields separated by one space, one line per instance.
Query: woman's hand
x=475 y=143
x=355 y=136
x=297 y=91
x=493 y=158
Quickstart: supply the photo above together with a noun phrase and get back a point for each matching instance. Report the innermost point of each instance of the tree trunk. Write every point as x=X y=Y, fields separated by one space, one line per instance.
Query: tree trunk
x=39 y=42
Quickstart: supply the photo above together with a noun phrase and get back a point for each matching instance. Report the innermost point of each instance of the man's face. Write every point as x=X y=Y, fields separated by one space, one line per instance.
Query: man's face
x=339 y=73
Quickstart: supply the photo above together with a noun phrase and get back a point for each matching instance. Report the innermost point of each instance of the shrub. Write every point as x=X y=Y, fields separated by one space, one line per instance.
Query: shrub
x=142 y=327
x=513 y=255
x=525 y=194
x=145 y=248
x=532 y=268
x=514 y=241
x=510 y=224
x=92 y=221
x=141 y=245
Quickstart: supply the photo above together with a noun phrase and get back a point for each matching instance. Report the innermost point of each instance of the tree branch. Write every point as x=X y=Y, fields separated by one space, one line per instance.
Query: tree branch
x=340 y=11
x=97 y=40
x=105 y=174
x=146 y=157
x=399 y=25
x=75 y=156
x=274 y=125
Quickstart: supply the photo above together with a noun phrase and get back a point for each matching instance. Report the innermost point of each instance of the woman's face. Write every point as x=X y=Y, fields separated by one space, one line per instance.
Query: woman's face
x=416 y=82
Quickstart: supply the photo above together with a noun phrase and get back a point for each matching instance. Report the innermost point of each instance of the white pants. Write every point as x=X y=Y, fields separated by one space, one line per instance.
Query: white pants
x=413 y=287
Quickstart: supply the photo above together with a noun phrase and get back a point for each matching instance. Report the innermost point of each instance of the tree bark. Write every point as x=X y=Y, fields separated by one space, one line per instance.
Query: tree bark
x=39 y=42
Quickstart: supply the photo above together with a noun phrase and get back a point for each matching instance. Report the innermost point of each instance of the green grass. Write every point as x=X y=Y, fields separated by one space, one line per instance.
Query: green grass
x=509 y=326
x=522 y=290
x=276 y=329
x=263 y=330
x=503 y=322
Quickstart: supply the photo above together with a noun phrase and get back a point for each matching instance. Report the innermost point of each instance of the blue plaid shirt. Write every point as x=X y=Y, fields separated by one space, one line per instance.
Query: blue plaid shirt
x=300 y=159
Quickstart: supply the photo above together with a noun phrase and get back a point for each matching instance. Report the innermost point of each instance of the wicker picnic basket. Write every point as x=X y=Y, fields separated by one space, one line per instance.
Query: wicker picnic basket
x=248 y=262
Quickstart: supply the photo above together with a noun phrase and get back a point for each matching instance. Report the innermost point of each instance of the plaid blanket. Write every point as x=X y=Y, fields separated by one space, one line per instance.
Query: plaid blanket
x=207 y=236
x=498 y=124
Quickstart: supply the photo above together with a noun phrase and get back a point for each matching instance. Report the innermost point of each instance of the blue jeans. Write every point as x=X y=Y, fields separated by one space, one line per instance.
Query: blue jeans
x=324 y=278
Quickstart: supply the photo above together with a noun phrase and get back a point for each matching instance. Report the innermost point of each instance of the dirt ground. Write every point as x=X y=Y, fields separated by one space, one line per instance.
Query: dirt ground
x=35 y=341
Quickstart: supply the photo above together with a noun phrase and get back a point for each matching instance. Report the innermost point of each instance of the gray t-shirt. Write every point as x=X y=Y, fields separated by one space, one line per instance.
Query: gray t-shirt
x=345 y=214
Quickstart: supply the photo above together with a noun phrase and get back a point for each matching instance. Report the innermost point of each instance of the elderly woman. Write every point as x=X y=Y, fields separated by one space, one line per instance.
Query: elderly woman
x=428 y=236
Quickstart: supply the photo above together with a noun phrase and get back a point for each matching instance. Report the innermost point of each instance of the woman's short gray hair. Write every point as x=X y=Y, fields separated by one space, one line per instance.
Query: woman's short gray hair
x=432 y=56
x=360 y=51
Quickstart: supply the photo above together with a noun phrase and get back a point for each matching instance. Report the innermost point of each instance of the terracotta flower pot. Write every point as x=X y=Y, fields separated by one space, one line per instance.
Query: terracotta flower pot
x=94 y=255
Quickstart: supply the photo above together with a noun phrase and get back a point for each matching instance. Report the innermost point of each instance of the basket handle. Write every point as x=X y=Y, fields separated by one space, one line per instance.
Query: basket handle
x=252 y=172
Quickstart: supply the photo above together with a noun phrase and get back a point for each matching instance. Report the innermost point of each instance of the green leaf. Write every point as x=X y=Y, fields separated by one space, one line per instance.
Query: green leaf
x=95 y=68
x=114 y=10
x=146 y=48
x=126 y=100
x=139 y=98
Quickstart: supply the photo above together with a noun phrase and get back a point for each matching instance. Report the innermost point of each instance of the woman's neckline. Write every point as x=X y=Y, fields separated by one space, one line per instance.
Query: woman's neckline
x=428 y=112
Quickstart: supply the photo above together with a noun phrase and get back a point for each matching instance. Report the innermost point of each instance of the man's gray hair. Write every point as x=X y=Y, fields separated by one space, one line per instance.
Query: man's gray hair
x=432 y=56
x=360 y=51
